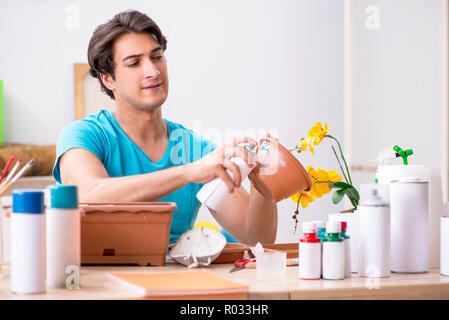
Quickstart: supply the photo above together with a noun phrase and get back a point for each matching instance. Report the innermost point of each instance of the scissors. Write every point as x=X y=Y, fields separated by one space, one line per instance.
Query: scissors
x=242 y=264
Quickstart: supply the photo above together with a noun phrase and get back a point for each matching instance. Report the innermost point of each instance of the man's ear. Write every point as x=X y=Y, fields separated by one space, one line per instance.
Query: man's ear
x=108 y=81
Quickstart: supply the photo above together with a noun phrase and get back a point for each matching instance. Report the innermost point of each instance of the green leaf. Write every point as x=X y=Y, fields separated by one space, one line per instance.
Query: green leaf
x=340 y=184
x=338 y=195
x=353 y=195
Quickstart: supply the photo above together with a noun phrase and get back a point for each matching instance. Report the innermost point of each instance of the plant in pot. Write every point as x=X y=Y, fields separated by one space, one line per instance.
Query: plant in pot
x=324 y=181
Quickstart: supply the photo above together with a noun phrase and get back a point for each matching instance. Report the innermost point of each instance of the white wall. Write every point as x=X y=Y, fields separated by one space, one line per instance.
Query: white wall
x=232 y=65
x=397 y=80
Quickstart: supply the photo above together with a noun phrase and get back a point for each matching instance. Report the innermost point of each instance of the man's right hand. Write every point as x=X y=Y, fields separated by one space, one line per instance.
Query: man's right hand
x=215 y=164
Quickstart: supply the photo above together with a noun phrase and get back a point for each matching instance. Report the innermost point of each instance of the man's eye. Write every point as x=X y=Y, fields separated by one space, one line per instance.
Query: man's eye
x=133 y=64
x=158 y=57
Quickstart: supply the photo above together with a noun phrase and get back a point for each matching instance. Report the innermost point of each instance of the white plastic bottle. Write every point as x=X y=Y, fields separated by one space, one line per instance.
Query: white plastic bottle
x=347 y=243
x=409 y=203
x=28 y=242
x=375 y=223
x=309 y=253
x=63 y=234
x=333 y=252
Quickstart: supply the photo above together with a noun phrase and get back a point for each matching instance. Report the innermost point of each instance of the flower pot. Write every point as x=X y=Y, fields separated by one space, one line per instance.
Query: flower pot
x=278 y=174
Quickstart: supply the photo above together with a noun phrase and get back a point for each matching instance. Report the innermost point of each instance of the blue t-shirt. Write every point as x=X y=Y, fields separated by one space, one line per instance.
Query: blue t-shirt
x=101 y=134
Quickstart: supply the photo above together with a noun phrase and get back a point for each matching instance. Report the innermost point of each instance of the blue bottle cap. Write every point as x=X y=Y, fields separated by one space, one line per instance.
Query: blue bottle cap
x=28 y=201
x=63 y=196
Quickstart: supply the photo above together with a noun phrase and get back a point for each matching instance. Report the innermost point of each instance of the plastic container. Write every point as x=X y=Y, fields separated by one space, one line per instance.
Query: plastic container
x=375 y=229
x=333 y=252
x=28 y=242
x=309 y=253
x=444 y=269
x=63 y=234
x=126 y=233
x=432 y=174
x=271 y=264
x=409 y=201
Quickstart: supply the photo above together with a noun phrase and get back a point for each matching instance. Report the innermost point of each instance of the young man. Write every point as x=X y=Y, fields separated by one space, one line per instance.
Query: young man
x=133 y=154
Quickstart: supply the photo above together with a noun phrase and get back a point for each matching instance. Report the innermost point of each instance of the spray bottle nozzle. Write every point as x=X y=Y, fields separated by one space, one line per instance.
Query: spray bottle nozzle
x=403 y=153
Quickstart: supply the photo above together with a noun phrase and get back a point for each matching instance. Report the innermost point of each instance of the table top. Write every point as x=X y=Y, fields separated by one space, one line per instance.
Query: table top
x=95 y=285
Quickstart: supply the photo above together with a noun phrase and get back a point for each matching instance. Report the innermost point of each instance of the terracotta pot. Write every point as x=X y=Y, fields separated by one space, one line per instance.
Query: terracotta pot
x=278 y=174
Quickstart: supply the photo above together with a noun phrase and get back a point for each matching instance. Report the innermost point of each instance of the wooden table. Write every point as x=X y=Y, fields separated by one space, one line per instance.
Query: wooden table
x=95 y=285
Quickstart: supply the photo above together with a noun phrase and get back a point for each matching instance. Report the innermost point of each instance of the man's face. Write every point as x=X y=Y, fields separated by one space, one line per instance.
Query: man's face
x=141 y=79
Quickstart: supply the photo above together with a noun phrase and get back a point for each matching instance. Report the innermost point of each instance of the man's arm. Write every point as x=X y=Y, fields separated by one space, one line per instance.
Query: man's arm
x=83 y=168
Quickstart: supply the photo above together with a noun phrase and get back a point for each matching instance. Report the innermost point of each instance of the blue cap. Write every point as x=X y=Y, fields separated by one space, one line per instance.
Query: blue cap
x=63 y=196
x=28 y=201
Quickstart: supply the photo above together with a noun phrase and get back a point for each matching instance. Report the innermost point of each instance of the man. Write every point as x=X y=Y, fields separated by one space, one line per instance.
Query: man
x=133 y=154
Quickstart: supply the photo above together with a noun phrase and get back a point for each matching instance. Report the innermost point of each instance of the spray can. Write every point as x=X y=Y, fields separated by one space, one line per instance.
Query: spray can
x=63 y=234
x=333 y=252
x=409 y=201
x=375 y=234
x=28 y=242
x=309 y=253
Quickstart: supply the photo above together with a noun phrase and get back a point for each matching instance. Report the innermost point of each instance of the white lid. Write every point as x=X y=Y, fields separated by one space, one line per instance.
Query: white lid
x=320 y=224
x=333 y=227
x=309 y=227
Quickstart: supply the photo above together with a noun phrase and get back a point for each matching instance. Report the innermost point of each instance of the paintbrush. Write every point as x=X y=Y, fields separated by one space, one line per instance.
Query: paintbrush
x=11 y=174
x=17 y=177
x=5 y=170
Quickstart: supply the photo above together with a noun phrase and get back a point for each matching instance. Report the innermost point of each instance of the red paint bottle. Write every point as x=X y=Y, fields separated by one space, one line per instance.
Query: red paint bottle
x=309 y=253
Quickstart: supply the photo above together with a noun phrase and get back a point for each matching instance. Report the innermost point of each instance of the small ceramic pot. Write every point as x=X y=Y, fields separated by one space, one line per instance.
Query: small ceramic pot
x=278 y=174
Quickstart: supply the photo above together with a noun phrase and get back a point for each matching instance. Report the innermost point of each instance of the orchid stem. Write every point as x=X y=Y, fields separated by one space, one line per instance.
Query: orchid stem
x=339 y=163
x=342 y=157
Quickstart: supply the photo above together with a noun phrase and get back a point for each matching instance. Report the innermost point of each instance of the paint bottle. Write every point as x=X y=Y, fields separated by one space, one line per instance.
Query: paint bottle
x=375 y=223
x=321 y=233
x=320 y=229
x=63 y=234
x=333 y=252
x=347 y=243
x=28 y=242
x=309 y=253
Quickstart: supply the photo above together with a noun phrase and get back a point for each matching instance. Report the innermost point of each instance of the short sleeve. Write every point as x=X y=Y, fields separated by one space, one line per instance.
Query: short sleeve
x=79 y=134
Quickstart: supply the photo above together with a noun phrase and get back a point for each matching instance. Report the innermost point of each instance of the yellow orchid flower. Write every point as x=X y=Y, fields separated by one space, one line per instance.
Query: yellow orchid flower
x=303 y=197
x=307 y=143
x=318 y=177
x=334 y=176
x=318 y=131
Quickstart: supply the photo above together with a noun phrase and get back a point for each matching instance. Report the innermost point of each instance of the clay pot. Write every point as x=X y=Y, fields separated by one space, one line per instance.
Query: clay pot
x=278 y=174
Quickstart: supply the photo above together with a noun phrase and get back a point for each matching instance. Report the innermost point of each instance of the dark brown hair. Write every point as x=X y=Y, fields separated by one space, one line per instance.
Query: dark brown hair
x=100 y=52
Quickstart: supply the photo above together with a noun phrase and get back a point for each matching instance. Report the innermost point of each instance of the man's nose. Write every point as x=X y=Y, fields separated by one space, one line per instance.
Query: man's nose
x=150 y=70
